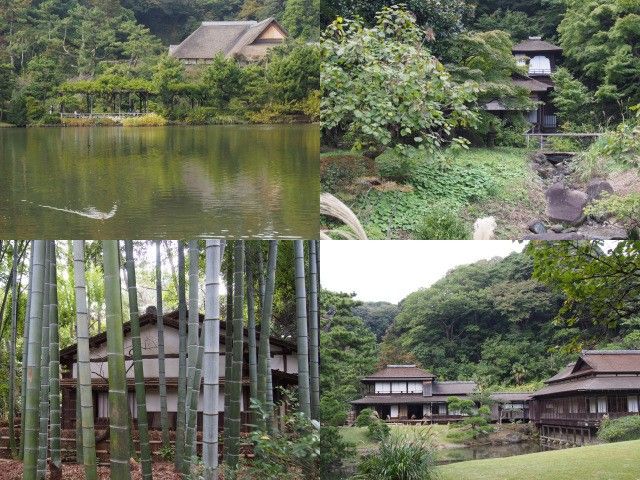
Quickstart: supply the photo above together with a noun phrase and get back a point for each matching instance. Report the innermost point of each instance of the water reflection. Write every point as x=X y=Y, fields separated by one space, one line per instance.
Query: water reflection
x=240 y=181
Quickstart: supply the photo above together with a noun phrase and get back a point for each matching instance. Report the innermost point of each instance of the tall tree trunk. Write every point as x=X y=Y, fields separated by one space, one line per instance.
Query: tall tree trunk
x=84 y=396
x=192 y=350
x=303 y=345
x=138 y=368
x=43 y=443
x=314 y=339
x=211 y=361
x=54 y=369
x=164 y=417
x=182 y=360
x=265 y=394
x=235 y=382
x=251 y=340
x=25 y=352
x=228 y=344
x=118 y=405
x=12 y=349
x=32 y=418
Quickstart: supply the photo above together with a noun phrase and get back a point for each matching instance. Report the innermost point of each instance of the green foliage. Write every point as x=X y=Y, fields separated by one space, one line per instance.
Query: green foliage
x=625 y=209
x=574 y=102
x=589 y=276
x=300 y=18
x=377 y=316
x=378 y=430
x=476 y=423
x=400 y=459
x=334 y=450
x=399 y=165
x=7 y=82
x=517 y=24
x=349 y=351
x=365 y=418
x=167 y=453
x=563 y=144
x=382 y=87
x=599 y=38
x=620 y=429
x=442 y=222
x=148 y=120
x=291 y=453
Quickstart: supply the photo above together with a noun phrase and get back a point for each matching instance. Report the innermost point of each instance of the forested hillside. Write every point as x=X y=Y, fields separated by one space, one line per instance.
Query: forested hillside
x=505 y=323
x=72 y=55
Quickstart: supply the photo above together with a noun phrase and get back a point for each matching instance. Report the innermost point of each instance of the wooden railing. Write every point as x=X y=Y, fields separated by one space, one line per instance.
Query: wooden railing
x=542 y=137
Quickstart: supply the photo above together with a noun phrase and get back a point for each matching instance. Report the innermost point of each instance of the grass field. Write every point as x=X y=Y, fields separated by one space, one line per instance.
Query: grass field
x=358 y=435
x=615 y=461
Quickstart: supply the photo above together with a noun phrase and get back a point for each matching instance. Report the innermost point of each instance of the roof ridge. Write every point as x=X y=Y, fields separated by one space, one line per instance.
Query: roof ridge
x=610 y=352
x=454 y=381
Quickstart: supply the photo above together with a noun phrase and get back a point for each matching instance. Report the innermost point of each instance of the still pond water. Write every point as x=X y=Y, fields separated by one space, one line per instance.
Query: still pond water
x=451 y=455
x=163 y=182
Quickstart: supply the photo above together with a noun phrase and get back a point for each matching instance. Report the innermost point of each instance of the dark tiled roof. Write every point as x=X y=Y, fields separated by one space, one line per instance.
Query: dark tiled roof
x=530 y=84
x=535 y=44
x=594 y=362
x=598 y=383
x=399 y=399
x=212 y=38
x=400 y=372
x=511 y=396
x=454 y=388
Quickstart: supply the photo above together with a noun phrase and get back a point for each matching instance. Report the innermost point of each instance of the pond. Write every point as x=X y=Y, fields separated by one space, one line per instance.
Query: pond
x=160 y=182
x=463 y=454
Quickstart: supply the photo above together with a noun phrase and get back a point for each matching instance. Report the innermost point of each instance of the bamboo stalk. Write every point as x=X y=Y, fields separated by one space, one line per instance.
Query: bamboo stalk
x=182 y=360
x=303 y=345
x=54 y=366
x=118 y=405
x=164 y=418
x=25 y=352
x=314 y=339
x=44 y=366
x=12 y=348
x=84 y=366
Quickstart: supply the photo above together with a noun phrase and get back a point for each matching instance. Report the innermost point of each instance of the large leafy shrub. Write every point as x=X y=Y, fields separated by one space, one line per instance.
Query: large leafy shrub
x=382 y=87
x=334 y=450
x=365 y=418
x=620 y=429
x=378 y=430
x=442 y=222
x=400 y=458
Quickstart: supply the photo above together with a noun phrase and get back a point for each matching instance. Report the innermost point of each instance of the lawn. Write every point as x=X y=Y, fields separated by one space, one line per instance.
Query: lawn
x=615 y=461
x=358 y=435
x=472 y=184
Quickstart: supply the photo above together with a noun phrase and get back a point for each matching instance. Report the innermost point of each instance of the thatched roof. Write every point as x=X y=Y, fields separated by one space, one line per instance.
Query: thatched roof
x=535 y=44
x=227 y=38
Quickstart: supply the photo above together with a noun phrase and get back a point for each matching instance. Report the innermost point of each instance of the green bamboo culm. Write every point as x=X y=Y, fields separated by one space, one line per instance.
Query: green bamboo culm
x=12 y=348
x=192 y=356
x=25 y=353
x=164 y=417
x=314 y=332
x=228 y=343
x=85 y=399
x=43 y=442
x=138 y=367
x=303 y=337
x=235 y=381
x=251 y=337
x=265 y=394
x=54 y=366
x=182 y=358
x=118 y=405
x=31 y=411
x=211 y=360
x=79 y=452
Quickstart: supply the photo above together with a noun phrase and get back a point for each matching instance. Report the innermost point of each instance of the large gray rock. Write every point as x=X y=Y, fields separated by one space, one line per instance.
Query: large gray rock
x=566 y=205
x=597 y=187
x=603 y=232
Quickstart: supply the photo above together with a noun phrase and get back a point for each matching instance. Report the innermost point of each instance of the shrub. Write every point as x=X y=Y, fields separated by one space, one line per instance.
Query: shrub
x=378 y=430
x=562 y=144
x=333 y=451
x=201 y=115
x=442 y=222
x=400 y=459
x=148 y=120
x=333 y=412
x=365 y=418
x=399 y=164
x=340 y=171
x=625 y=209
x=620 y=429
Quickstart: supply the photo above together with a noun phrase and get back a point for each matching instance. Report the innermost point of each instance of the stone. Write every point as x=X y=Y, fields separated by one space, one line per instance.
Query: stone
x=570 y=230
x=566 y=205
x=552 y=237
x=596 y=188
x=537 y=227
x=557 y=228
x=603 y=232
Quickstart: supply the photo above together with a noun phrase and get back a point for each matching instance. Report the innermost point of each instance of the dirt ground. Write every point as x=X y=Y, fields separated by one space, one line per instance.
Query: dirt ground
x=12 y=470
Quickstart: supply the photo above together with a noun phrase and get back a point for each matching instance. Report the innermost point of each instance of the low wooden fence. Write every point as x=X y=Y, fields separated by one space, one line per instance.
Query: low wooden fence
x=542 y=138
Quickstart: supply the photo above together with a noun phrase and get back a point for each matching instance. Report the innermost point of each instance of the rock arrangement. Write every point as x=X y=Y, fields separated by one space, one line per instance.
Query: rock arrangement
x=566 y=205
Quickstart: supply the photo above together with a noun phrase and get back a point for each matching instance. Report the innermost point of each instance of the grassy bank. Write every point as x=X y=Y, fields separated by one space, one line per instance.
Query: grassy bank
x=358 y=435
x=616 y=461
x=467 y=185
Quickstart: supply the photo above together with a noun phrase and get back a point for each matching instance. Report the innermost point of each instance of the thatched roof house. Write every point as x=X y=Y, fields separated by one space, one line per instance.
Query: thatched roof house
x=249 y=40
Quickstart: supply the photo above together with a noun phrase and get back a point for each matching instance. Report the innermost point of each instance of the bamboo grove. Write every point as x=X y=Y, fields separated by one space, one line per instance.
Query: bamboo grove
x=210 y=434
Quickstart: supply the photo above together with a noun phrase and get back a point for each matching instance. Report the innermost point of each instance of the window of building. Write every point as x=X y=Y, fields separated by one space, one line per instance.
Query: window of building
x=442 y=409
x=540 y=65
x=383 y=387
x=399 y=387
x=602 y=404
x=415 y=387
x=632 y=404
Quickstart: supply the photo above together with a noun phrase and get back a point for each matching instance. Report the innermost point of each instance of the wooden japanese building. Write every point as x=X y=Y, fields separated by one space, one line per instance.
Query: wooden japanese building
x=246 y=40
x=406 y=393
x=599 y=384
x=539 y=60
x=510 y=406
x=284 y=369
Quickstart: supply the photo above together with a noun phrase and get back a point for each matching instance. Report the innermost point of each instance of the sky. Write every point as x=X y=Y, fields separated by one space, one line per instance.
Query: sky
x=390 y=270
